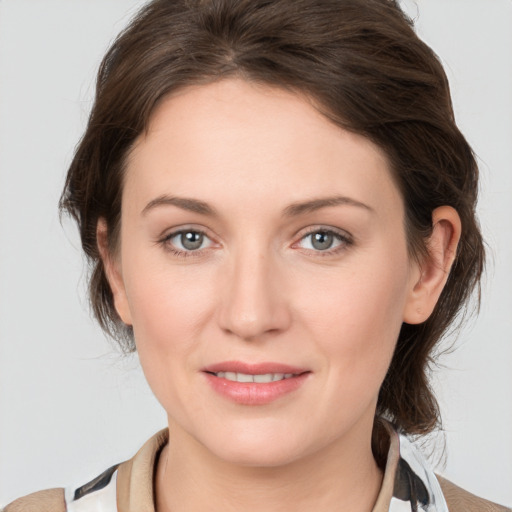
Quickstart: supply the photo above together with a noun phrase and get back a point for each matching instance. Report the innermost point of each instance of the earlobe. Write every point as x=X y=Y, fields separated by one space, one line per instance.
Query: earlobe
x=113 y=273
x=433 y=271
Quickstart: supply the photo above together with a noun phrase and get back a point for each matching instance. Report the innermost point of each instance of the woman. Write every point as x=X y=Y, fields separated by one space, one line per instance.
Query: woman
x=279 y=211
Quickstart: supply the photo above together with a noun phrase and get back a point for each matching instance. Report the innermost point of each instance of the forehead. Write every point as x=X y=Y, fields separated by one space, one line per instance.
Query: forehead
x=247 y=141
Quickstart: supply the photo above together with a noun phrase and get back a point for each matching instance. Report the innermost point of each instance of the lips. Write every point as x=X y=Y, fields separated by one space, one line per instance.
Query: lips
x=254 y=384
x=261 y=378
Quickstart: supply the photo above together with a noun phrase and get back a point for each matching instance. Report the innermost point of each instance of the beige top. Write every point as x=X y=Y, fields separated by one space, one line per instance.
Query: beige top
x=128 y=487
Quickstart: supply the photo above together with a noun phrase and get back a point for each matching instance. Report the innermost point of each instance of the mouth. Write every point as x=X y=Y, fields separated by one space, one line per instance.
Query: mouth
x=260 y=378
x=254 y=384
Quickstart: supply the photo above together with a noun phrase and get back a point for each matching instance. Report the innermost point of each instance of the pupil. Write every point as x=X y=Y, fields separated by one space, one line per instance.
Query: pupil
x=191 y=240
x=322 y=240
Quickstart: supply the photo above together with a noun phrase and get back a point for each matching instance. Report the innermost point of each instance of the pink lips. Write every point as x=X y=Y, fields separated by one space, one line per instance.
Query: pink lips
x=252 y=393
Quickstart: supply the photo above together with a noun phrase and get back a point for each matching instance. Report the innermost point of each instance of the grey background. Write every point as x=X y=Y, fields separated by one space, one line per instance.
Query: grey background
x=69 y=406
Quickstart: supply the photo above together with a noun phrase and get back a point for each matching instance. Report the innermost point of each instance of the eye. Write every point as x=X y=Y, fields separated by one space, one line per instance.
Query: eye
x=186 y=241
x=324 y=240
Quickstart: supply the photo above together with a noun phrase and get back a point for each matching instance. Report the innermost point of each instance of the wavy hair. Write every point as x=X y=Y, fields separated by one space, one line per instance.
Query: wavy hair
x=364 y=66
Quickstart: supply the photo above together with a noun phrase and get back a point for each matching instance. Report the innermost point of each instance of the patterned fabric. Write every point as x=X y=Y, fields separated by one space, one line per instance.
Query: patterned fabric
x=409 y=485
x=99 y=495
x=416 y=487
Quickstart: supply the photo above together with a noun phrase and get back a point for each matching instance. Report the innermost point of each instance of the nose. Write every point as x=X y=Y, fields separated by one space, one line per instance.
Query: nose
x=254 y=302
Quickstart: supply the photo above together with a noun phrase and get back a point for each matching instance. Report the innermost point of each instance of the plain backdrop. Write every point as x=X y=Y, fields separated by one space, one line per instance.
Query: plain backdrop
x=70 y=406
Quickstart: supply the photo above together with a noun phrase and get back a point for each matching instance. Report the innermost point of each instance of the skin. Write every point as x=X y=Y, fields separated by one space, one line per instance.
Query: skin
x=259 y=290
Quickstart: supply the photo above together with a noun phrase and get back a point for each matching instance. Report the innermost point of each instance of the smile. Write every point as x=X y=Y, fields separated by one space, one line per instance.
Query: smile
x=255 y=384
x=259 y=378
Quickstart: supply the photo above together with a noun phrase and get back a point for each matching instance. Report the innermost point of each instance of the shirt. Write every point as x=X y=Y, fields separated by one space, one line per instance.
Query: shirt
x=409 y=485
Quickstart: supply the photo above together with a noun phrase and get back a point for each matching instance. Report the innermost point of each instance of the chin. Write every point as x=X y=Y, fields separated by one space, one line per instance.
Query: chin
x=268 y=456
x=256 y=438
x=253 y=447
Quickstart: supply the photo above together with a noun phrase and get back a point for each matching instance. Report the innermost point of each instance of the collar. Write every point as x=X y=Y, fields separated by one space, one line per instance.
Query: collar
x=409 y=485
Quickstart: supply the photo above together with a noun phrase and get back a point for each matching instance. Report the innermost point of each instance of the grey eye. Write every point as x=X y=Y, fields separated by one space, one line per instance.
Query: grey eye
x=191 y=240
x=187 y=242
x=322 y=240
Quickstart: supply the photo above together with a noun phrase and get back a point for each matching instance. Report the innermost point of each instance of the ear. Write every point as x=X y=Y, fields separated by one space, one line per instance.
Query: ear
x=433 y=271
x=111 y=264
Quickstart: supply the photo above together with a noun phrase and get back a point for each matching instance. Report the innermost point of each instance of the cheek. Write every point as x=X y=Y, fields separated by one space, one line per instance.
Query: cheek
x=168 y=303
x=168 y=306
x=355 y=318
x=168 y=310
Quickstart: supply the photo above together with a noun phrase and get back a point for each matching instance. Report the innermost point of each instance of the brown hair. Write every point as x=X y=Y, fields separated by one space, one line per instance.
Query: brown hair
x=361 y=61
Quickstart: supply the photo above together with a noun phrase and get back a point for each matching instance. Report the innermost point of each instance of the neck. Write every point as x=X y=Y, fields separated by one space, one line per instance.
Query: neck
x=341 y=476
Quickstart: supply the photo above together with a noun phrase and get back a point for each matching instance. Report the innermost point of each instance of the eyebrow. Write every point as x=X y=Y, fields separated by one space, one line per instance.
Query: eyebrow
x=300 y=208
x=185 y=203
x=293 y=210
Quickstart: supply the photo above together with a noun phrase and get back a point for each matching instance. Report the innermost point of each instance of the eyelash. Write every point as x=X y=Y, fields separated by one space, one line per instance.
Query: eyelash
x=178 y=252
x=344 y=239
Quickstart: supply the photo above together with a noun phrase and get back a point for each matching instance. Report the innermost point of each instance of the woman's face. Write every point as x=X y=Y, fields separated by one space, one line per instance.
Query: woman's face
x=260 y=242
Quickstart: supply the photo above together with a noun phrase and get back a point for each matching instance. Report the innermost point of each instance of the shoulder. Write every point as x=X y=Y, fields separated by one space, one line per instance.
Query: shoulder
x=51 y=500
x=98 y=495
x=131 y=481
x=459 y=500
